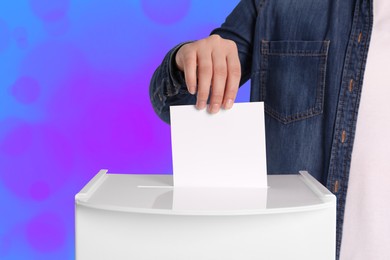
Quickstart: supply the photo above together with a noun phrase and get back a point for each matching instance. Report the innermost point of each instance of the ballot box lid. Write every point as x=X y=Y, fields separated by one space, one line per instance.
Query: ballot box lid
x=155 y=194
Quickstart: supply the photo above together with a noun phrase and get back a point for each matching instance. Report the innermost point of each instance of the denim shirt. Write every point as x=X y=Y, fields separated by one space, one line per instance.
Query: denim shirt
x=306 y=61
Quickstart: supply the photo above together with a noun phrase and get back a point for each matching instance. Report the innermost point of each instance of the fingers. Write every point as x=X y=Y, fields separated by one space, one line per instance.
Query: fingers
x=186 y=60
x=212 y=68
x=233 y=80
x=205 y=72
x=218 y=81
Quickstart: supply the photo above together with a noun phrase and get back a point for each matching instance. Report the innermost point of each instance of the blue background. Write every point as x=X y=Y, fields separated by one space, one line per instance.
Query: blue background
x=74 y=78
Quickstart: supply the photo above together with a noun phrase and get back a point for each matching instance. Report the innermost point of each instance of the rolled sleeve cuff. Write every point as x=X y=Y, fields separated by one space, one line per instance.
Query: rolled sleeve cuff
x=176 y=77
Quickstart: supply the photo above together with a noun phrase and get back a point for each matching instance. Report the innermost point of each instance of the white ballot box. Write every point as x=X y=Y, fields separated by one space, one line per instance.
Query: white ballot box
x=143 y=217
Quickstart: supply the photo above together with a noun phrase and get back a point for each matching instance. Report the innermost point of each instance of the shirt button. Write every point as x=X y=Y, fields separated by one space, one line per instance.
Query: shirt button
x=336 y=186
x=343 y=136
x=350 y=87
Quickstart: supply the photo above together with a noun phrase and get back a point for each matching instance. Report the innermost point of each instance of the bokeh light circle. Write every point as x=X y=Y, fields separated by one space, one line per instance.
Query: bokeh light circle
x=26 y=90
x=46 y=232
x=166 y=12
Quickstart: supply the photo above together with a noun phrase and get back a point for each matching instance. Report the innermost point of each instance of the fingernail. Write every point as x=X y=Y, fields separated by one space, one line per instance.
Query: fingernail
x=201 y=105
x=229 y=104
x=214 y=108
x=191 y=90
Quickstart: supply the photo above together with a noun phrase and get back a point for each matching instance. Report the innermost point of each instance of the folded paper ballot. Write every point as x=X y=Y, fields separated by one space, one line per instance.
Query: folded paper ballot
x=226 y=149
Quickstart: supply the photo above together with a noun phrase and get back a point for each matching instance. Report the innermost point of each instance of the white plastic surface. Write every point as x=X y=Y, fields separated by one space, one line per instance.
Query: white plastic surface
x=155 y=194
x=135 y=217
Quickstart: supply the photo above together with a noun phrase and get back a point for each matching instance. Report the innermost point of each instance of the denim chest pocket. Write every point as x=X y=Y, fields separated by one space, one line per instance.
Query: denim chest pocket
x=293 y=78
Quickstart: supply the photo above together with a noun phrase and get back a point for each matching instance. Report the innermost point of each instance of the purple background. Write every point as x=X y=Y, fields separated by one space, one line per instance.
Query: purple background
x=74 y=78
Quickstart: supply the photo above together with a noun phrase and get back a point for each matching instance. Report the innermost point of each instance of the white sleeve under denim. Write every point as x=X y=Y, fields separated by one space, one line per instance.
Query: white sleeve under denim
x=366 y=230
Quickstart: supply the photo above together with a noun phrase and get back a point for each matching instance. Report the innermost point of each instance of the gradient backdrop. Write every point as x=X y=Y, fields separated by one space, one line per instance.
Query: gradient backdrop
x=74 y=78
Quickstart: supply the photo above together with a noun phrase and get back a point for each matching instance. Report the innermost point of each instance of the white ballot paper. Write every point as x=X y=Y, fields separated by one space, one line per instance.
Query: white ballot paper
x=226 y=149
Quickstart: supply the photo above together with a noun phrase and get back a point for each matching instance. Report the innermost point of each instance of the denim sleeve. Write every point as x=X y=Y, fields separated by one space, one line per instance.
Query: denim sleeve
x=168 y=87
